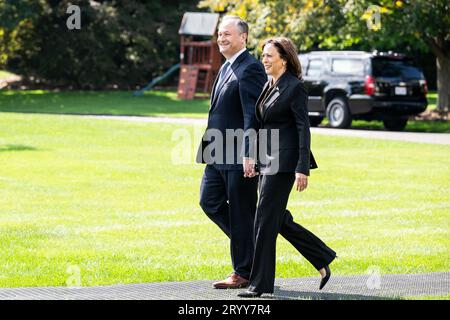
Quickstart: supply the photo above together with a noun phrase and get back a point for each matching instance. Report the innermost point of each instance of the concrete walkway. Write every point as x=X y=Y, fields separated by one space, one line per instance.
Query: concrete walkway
x=360 y=287
x=421 y=137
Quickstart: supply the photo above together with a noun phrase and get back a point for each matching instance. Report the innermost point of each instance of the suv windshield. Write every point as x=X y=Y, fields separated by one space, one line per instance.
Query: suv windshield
x=395 y=68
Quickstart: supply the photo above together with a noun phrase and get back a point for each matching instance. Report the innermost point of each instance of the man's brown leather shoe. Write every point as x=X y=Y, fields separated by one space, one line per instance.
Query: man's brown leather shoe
x=234 y=281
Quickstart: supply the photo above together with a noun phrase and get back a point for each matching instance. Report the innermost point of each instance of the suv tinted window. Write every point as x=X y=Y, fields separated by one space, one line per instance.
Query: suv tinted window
x=314 y=67
x=405 y=68
x=348 y=66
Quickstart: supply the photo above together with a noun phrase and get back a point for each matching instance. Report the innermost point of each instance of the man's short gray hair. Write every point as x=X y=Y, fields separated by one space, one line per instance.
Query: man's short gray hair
x=241 y=24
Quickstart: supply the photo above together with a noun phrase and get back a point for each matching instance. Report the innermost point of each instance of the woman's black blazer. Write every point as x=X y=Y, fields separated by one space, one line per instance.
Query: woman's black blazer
x=285 y=109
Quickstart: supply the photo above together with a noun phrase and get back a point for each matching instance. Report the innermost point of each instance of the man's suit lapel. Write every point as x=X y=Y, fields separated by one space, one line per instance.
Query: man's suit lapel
x=230 y=71
x=226 y=78
x=217 y=90
x=213 y=94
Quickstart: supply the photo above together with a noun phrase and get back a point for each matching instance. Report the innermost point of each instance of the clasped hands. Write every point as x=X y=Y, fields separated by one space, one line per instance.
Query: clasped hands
x=301 y=180
x=249 y=167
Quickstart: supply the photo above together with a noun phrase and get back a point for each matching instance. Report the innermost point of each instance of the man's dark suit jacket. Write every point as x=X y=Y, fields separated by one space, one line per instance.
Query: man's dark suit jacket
x=233 y=107
x=285 y=108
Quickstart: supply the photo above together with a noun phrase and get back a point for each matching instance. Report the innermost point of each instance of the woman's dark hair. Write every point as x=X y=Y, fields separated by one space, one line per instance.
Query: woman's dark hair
x=287 y=52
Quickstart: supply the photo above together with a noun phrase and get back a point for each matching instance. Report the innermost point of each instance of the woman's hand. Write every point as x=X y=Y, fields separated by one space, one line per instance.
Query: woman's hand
x=301 y=181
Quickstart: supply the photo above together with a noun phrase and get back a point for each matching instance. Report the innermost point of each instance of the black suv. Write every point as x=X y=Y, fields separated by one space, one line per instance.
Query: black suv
x=346 y=85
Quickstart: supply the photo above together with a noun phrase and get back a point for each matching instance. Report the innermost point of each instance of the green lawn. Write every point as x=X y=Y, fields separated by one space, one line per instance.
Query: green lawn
x=153 y=103
x=436 y=126
x=103 y=196
x=445 y=297
x=432 y=99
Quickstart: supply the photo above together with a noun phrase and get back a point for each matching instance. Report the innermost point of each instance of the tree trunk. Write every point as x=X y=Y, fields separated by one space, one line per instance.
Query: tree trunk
x=443 y=82
x=440 y=47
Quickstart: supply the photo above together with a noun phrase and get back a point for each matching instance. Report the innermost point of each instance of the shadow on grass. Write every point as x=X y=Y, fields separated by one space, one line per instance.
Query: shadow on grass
x=101 y=103
x=15 y=147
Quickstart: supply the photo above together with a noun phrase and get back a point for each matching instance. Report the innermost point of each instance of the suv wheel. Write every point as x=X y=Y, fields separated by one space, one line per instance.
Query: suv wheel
x=338 y=114
x=395 y=124
x=315 y=121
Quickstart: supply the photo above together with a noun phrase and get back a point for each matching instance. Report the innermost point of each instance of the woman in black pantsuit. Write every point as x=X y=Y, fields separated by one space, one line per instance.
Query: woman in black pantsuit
x=282 y=109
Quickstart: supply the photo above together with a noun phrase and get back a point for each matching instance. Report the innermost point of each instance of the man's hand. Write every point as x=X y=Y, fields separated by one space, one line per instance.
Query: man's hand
x=249 y=167
x=301 y=181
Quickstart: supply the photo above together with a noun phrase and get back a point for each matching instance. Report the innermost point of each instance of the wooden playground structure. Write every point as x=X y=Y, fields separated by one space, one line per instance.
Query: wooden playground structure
x=200 y=59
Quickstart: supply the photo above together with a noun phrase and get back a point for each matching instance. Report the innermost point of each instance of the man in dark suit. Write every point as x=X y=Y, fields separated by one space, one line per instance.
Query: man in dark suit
x=228 y=191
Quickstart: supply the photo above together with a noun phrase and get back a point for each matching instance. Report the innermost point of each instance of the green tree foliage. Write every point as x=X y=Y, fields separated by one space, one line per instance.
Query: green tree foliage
x=406 y=25
x=120 y=42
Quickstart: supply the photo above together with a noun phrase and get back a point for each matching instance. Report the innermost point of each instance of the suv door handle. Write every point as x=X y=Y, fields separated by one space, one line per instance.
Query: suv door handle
x=316 y=83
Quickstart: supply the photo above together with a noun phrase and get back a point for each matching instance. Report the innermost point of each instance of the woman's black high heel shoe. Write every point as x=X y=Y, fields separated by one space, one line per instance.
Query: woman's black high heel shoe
x=325 y=279
x=249 y=294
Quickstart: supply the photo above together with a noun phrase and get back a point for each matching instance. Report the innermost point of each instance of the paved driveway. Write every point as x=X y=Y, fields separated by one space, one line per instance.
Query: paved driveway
x=357 y=287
